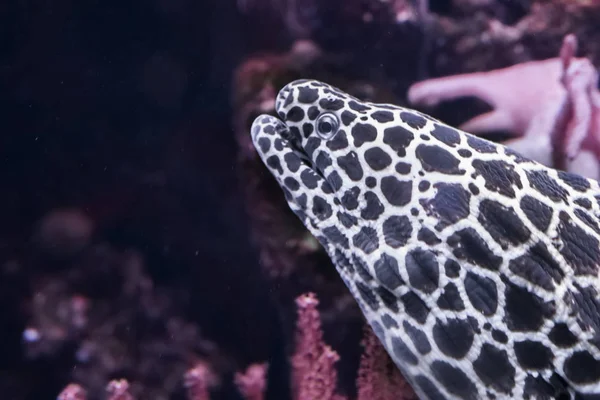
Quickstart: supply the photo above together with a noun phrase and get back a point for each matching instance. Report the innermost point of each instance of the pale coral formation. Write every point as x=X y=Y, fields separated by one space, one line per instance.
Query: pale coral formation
x=551 y=107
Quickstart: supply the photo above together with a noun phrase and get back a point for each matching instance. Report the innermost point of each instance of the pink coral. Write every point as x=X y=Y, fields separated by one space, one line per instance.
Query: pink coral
x=198 y=381
x=72 y=391
x=252 y=383
x=552 y=107
x=378 y=376
x=118 y=389
x=314 y=373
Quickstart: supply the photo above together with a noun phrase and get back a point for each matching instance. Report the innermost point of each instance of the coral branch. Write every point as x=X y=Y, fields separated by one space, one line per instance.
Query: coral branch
x=198 y=381
x=72 y=391
x=378 y=377
x=252 y=382
x=118 y=390
x=314 y=373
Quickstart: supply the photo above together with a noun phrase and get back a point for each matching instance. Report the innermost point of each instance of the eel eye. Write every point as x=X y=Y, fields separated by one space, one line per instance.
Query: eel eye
x=327 y=125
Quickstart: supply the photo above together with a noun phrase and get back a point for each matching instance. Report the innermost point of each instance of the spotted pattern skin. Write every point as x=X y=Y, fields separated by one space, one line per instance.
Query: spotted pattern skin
x=477 y=268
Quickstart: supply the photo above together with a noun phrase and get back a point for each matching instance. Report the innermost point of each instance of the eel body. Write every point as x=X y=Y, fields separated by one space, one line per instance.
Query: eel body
x=477 y=268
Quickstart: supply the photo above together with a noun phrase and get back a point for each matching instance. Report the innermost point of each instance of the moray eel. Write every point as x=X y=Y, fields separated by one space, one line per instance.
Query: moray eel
x=477 y=269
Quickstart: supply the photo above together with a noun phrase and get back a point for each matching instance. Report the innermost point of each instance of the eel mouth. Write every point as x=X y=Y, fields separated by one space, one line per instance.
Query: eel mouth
x=270 y=127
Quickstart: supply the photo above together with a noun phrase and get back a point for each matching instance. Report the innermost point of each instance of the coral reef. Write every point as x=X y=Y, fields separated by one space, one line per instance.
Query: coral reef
x=144 y=250
x=552 y=106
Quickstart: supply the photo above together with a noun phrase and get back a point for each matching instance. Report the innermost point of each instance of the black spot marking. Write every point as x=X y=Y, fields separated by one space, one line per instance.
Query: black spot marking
x=583 y=202
x=388 y=299
x=588 y=306
x=366 y=240
x=587 y=219
x=363 y=133
x=321 y=208
x=428 y=237
x=397 y=231
x=331 y=104
x=435 y=158
x=373 y=208
x=291 y=183
x=452 y=268
x=494 y=369
x=388 y=321
x=361 y=268
x=307 y=129
x=307 y=95
x=499 y=336
x=402 y=168
x=413 y=120
x=370 y=182
x=562 y=336
x=378 y=329
x=582 y=368
x=351 y=166
x=424 y=186
x=502 y=223
x=543 y=183
x=323 y=161
x=446 y=135
x=338 y=142
x=398 y=138
x=450 y=204
x=538 y=388
x=577 y=182
x=311 y=145
x=415 y=307
x=428 y=388
x=313 y=112
x=387 y=272
x=450 y=298
x=264 y=144
x=454 y=380
x=335 y=180
x=465 y=153
x=346 y=219
x=482 y=293
x=382 y=116
x=423 y=270
x=499 y=176
x=539 y=214
x=454 y=337
x=357 y=106
x=470 y=246
x=579 y=249
x=538 y=267
x=377 y=159
x=296 y=114
x=418 y=338
x=533 y=355
x=402 y=351
x=348 y=117
x=480 y=145
x=396 y=192
x=334 y=235
x=292 y=161
x=302 y=201
x=350 y=198
x=524 y=311
x=274 y=163
x=342 y=262
x=309 y=178
x=473 y=189
x=367 y=295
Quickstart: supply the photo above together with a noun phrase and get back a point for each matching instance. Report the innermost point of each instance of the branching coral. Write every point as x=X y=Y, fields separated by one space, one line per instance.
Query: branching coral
x=551 y=107
x=314 y=373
